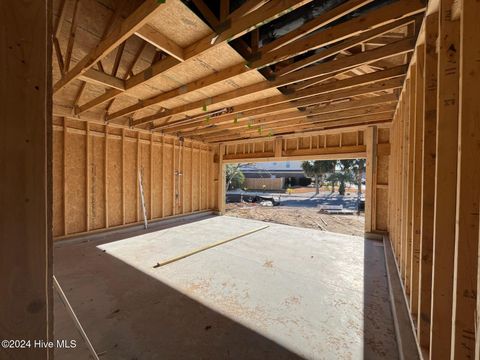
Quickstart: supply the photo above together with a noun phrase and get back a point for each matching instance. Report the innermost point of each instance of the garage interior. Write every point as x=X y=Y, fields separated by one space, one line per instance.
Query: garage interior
x=120 y=117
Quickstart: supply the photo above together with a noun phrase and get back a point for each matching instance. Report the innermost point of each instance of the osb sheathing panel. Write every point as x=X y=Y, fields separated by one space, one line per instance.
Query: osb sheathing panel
x=57 y=145
x=349 y=139
x=382 y=209
x=114 y=175
x=168 y=181
x=382 y=169
x=145 y=173
x=383 y=135
x=333 y=140
x=96 y=201
x=75 y=171
x=187 y=179
x=138 y=152
x=196 y=170
x=180 y=25
x=130 y=177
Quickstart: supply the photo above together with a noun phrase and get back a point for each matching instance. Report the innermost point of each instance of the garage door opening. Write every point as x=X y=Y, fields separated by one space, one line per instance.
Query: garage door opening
x=327 y=195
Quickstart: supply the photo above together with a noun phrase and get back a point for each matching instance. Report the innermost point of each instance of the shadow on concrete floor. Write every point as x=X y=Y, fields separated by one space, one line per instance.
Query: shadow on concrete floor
x=140 y=317
x=130 y=315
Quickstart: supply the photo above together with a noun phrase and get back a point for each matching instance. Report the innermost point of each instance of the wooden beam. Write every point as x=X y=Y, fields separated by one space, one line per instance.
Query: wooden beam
x=87 y=176
x=233 y=30
x=352 y=82
x=221 y=182
x=417 y=180
x=212 y=20
x=192 y=86
x=465 y=295
x=294 y=119
x=71 y=39
x=400 y=47
x=26 y=254
x=306 y=97
x=357 y=123
x=93 y=76
x=346 y=44
x=320 y=21
x=371 y=135
x=428 y=181
x=105 y=176
x=117 y=36
x=246 y=8
x=160 y=41
x=445 y=197
x=239 y=69
x=224 y=9
x=371 y=20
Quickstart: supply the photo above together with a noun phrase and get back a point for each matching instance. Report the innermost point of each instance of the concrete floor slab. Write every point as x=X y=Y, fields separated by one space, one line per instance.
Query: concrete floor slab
x=281 y=293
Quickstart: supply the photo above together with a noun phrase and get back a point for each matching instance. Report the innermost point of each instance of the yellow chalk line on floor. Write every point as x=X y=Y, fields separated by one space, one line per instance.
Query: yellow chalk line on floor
x=176 y=258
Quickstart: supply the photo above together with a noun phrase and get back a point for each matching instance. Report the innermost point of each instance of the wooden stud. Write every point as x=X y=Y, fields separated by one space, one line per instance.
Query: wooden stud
x=64 y=177
x=163 y=176
x=428 y=181
x=151 y=178
x=468 y=192
x=137 y=185
x=417 y=181
x=221 y=180
x=410 y=178
x=191 y=179
x=123 y=176
x=26 y=246
x=174 y=179
x=370 y=198
x=105 y=174
x=87 y=176
x=445 y=197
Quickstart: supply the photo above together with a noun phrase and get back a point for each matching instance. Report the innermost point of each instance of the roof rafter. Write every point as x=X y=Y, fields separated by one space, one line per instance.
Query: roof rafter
x=371 y=20
x=305 y=98
x=233 y=30
x=239 y=68
x=119 y=34
x=399 y=47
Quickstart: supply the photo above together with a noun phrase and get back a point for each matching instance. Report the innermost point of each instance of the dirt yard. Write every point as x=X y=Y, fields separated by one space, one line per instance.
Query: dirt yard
x=299 y=216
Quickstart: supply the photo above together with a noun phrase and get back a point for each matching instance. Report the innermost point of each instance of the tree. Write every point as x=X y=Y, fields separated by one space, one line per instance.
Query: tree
x=234 y=176
x=358 y=170
x=317 y=169
x=344 y=175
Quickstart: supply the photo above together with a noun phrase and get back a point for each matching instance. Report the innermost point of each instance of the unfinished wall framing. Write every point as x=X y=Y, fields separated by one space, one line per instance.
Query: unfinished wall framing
x=96 y=176
x=434 y=169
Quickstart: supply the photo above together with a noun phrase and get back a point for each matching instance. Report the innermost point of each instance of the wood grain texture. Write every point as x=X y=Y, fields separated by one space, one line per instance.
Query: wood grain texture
x=25 y=160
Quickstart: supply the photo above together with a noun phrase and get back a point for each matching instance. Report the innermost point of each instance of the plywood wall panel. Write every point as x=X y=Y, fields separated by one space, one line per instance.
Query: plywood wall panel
x=130 y=176
x=114 y=176
x=382 y=203
x=157 y=181
x=75 y=191
x=187 y=178
x=144 y=168
x=168 y=180
x=96 y=201
x=57 y=168
x=112 y=184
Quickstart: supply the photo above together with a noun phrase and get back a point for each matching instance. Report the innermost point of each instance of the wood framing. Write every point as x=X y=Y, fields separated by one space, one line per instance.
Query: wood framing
x=99 y=193
x=445 y=199
x=26 y=304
